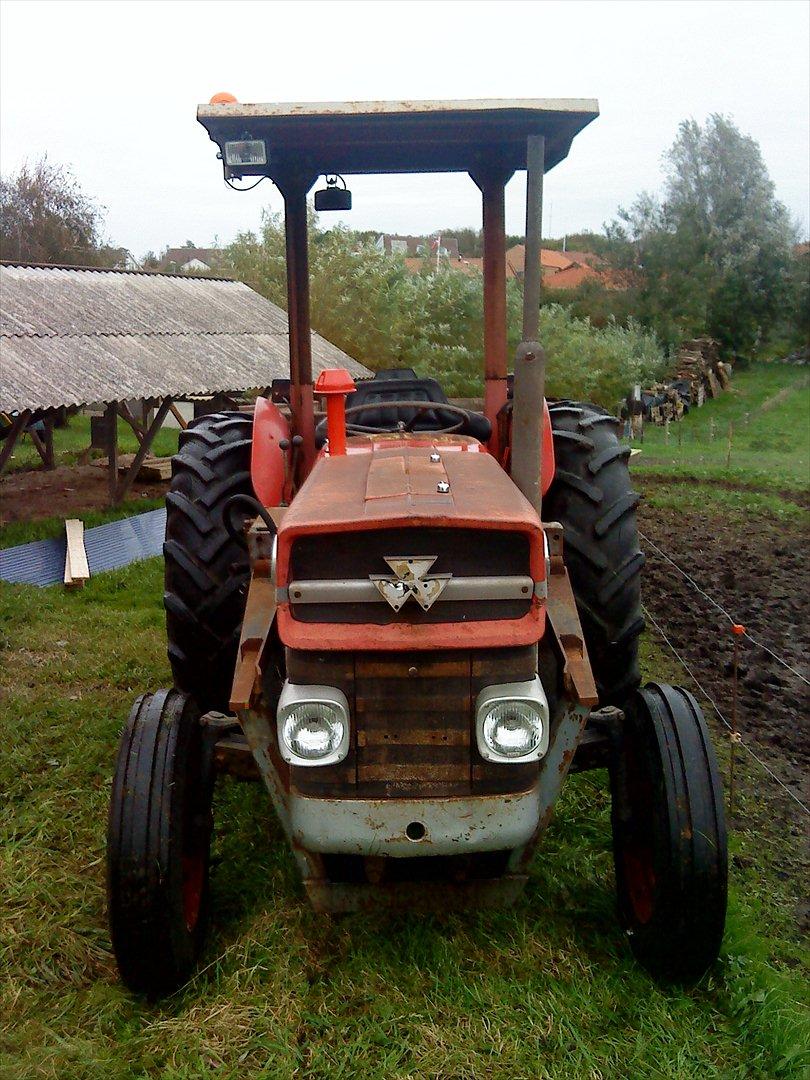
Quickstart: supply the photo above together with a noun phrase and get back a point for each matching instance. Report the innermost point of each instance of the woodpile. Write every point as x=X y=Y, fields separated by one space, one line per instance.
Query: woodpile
x=699 y=374
x=699 y=362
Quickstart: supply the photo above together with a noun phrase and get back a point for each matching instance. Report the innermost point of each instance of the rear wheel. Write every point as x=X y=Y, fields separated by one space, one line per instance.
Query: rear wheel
x=207 y=569
x=594 y=501
x=158 y=842
x=669 y=834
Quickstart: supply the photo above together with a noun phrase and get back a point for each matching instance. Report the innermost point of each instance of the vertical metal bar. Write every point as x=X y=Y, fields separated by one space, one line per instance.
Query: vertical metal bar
x=295 y=190
x=535 y=168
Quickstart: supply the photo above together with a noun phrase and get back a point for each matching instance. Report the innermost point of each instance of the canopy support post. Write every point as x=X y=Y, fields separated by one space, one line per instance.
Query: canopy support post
x=294 y=186
x=122 y=489
x=492 y=184
x=18 y=426
x=111 y=438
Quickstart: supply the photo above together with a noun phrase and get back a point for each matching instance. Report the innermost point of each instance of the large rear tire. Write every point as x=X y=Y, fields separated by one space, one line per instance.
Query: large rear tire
x=158 y=843
x=669 y=834
x=593 y=499
x=207 y=570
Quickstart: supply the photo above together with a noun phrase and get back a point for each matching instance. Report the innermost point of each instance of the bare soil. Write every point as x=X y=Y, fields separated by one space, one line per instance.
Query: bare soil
x=760 y=574
x=67 y=491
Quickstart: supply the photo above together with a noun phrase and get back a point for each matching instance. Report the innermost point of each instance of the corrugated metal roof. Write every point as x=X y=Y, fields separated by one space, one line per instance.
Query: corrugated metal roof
x=72 y=336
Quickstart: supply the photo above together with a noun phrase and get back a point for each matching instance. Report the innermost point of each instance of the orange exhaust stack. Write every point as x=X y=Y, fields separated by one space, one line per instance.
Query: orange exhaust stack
x=334 y=384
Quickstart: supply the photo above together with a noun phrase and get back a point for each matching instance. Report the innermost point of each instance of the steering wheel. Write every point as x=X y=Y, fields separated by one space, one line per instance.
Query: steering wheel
x=420 y=406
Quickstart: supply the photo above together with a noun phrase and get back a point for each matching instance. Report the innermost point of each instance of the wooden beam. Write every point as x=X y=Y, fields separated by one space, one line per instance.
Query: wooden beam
x=49 y=459
x=77 y=570
x=181 y=420
x=125 y=414
x=18 y=426
x=127 y=480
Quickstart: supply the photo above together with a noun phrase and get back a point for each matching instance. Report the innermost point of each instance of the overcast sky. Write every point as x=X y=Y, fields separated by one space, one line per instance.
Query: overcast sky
x=111 y=88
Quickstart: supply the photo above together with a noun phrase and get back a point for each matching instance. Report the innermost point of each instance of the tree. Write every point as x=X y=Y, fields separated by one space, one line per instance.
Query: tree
x=46 y=217
x=714 y=255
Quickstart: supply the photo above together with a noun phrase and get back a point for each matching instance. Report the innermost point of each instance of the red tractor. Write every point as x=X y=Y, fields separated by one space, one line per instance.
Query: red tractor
x=409 y=620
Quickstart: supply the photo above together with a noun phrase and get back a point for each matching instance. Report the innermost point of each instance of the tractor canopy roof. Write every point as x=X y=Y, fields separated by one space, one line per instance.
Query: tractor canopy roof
x=399 y=136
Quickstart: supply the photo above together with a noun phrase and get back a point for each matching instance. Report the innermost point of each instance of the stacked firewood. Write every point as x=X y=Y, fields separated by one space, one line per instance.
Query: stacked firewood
x=699 y=362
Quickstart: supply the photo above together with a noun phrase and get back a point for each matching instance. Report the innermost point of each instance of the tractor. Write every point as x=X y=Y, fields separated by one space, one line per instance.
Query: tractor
x=408 y=620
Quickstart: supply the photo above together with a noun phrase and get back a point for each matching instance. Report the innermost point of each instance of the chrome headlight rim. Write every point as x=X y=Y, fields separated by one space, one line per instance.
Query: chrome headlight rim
x=295 y=696
x=529 y=695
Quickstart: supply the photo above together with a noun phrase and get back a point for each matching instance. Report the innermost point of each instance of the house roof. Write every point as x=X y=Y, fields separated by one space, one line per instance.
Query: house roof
x=183 y=255
x=550 y=260
x=399 y=136
x=71 y=335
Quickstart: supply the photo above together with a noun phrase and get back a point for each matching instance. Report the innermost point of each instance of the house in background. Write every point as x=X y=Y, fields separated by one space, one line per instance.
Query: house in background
x=414 y=246
x=190 y=259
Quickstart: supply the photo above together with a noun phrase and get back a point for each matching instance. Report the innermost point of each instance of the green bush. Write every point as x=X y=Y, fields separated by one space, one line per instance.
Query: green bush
x=374 y=309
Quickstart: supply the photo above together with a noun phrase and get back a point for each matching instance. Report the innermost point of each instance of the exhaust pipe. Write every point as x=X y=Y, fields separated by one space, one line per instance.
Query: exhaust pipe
x=530 y=359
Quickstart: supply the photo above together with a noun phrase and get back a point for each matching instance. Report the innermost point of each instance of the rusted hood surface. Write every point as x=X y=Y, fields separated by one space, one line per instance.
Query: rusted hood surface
x=401 y=485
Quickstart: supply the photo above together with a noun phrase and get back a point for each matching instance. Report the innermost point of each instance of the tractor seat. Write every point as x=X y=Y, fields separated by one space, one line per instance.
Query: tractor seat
x=403 y=384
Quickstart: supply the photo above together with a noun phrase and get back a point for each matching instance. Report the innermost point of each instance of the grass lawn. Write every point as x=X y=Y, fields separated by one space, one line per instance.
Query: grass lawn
x=768 y=408
x=546 y=989
x=72 y=441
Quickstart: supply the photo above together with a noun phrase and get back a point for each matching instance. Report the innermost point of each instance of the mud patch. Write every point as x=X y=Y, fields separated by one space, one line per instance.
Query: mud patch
x=67 y=491
x=757 y=571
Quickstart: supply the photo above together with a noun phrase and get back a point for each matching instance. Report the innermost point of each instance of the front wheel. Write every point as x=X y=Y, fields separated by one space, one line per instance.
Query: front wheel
x=669 y=834
x=158 y=843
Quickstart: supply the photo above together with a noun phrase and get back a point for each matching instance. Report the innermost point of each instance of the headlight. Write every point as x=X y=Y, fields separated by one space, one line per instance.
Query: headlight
x=313 y=725
x=246 y=152
x=512 y=722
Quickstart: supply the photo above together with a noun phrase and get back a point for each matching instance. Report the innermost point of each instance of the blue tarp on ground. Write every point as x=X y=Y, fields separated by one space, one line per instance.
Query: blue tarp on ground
x=108 y=547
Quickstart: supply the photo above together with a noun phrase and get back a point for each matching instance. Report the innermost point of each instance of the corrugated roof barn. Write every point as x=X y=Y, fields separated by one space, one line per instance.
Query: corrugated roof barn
x=73 y=336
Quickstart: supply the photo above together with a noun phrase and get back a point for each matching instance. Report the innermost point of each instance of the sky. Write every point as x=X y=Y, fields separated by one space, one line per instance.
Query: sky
x=111 y=89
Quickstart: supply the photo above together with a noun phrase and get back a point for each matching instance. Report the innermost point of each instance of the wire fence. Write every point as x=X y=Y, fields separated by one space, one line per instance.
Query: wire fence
x=723 y=719
x=719 y=607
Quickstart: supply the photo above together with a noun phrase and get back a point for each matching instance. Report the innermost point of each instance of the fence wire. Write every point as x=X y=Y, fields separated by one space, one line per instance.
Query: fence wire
x=719 y=607
x=720 y=714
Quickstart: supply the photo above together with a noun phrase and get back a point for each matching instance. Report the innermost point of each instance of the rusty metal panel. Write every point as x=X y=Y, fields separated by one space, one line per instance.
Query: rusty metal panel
x=71 y=337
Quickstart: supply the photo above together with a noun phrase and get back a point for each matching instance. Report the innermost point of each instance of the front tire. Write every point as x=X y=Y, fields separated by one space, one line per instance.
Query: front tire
x=669 y=834
x=158 y=843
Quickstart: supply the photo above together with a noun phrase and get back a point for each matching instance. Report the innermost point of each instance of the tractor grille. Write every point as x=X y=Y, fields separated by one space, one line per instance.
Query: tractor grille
x=461 y=552
x=413 y=722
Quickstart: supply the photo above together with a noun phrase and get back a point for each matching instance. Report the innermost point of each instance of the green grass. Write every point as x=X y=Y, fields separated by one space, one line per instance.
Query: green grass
x=70 y=443
x=547 y=989
x=768 y=408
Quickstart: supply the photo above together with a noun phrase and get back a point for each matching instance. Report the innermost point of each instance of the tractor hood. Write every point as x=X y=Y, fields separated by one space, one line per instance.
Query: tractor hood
x=445 y=504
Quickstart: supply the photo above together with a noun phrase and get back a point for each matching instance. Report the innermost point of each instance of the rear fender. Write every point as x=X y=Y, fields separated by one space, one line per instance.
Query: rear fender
x=270 y=426
x=548 y=465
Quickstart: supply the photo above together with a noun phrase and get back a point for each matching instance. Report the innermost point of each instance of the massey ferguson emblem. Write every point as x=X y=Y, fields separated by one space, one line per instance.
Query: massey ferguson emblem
x=410 y=580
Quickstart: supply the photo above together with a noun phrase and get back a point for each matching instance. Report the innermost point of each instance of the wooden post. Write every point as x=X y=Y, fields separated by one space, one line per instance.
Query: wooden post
x=111 y=438
x=49 y=459
x=122 y=489
x=18 y=426
x=181 y=420
x=730 y=439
